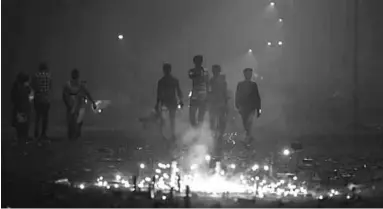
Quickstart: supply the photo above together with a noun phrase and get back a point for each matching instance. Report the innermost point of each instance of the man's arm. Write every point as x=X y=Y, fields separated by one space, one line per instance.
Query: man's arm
x=237 y=96
x=179 y=91
x=65 y=96
x=87 y=93
x=159 y=93
x=257 y=97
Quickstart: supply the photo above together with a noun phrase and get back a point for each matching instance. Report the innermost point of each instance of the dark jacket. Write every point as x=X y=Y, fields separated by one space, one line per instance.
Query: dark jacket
x=20 y=98
x=218 y=91
x=247 y=96
x=168 y=89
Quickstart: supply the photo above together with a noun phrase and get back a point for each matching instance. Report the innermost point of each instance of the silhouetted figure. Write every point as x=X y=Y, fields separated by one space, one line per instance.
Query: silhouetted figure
x=21 y=96
x=42 y=85
x=169 y=95
x=75 y=95
x=198 y=99
x=248 y=101
x=218 y=107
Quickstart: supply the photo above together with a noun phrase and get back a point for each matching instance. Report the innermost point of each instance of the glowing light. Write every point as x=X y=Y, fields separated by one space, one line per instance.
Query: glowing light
x=280 y=20
x=163 y=197
x=280 y=43
x=120 y=36
x=255 y=167
x=286 y=152
x=118 y=177
x=321 y=197
x=207 y=157
x=272 y=4
x=142 y=166
x=269 y=43
x=161 y=165
x=190 y=94
x=233 y=166
x=166 y=176
x=158 y=170
x=250 y=50
x=266 y=168
x=194 y=167
x=348 y=197
x=295 y=178
x=116 y=186
x=82 y=186
x=148 y=179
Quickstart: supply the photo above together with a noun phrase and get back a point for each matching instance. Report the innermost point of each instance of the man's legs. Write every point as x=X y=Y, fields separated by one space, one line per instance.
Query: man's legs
x=45 y=118
x=172 y=118
x=201 y=111
x=247 y=120
x=192 y=113
x=38 y=116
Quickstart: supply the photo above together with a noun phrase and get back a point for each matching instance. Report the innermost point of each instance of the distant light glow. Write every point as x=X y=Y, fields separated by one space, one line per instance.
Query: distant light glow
x=280 y=43
x=250 y=50
x=120 y=36
x=269 y=43
x=286 y=152
x=272 y=4
x=142 y=166
x=280 y=20
x=266 y=167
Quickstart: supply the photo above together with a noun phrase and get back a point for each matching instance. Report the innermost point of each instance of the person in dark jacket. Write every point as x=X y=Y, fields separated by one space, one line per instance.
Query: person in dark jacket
x=248 y=101
x=169 y=95
x=75 y=95
x=21 y=97
x=198 y=97
x=218 y=107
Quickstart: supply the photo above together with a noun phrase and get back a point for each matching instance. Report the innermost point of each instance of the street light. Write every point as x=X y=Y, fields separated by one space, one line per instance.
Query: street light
x=120 y=37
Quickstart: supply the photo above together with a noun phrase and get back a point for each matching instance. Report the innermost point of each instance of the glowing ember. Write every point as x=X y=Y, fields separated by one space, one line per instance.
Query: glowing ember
x=255 y=167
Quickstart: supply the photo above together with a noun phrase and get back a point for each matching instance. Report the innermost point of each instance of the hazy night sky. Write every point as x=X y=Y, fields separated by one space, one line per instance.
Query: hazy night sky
x=83 y=34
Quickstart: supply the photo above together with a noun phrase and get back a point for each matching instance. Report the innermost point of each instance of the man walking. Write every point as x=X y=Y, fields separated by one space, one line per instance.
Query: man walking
x=169 y=95
x=248 y=101
x=42 y=85
x=218 y=107
x=198 y=99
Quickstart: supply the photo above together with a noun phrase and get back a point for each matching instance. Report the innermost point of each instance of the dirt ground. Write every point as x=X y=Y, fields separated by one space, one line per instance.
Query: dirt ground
x=26 y=168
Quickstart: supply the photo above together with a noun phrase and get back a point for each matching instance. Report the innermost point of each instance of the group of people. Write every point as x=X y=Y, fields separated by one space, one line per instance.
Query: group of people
x=34 y=93
x=209 y=94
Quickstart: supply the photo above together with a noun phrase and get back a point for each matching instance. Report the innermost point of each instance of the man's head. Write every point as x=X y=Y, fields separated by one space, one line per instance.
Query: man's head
x=198 y=60
x=167 y=68
x=248 y=73
x=43 y=67
x=75 y=74
x=216 y=70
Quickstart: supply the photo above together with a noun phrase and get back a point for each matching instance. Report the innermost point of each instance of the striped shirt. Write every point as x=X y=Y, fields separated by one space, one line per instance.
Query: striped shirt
x=200 y=78
x=42 y=85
